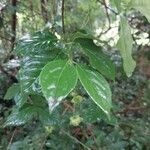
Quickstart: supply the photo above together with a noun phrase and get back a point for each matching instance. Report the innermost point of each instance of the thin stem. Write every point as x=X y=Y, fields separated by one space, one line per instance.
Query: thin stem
x=62 y=15
x=13 y=23
x=42 y=145
x=113 y=11
x=106 y=10
x=75 y=139
x=11 y=139
x=103 y=2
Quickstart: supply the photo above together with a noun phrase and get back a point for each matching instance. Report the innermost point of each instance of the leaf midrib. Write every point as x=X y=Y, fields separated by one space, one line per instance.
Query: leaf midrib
x=106 y=111
x=59 y=79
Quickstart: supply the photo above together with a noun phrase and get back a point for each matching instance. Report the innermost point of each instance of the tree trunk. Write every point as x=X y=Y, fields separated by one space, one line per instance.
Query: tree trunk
x=13 y=23
x=44 y=10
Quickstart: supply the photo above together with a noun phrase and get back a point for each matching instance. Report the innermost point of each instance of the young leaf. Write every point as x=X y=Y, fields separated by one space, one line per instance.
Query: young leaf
x=57 y=79
x=98 y=59
x=125 y=44
x=12 y=91
x=97 y=88
x=143 y=6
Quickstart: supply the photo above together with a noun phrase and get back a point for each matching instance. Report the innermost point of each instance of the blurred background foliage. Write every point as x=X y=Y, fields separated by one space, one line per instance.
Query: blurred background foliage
x=74 y=125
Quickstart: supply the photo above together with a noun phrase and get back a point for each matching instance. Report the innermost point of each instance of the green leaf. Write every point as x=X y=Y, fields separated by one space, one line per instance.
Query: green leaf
x=98 y=59
x=20 y=99
x=12 y=91
x=125 y=45
x=97 y=88
x=90 y=113
x=55 y=118
x=24 y=114
x=19 y=117
x=57 y=79
x=126 y=1
x=44 y=40
x=143 y=6
x=81 y=34
x=37 y=52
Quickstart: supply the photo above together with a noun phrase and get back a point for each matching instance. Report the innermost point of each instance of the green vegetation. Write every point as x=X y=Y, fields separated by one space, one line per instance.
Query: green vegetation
x=74 y=75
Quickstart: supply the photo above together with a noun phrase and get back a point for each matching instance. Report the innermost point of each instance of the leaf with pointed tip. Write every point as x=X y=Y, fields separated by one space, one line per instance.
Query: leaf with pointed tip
x=98 y=59
x=57 y=79
x=97 y=87
x=143 y=6
x=12 y=91
x=125 y=45
x=90 y=113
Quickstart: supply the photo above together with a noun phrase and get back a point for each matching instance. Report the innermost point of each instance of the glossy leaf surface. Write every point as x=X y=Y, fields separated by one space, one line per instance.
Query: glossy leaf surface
x=98 y=59
x=19 y=117
x=37 y=51
x=20 y=99
x=97 y=88
x=57 y=79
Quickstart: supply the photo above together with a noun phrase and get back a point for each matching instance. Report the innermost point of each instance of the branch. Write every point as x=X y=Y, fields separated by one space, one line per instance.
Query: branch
x=108 y=17
x=13 y=23
x=75 y=139
x=62 y=15
x=106 y=10
x=11 y=139
x=113 y=11
x=103 y=2
x=44 y=10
